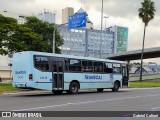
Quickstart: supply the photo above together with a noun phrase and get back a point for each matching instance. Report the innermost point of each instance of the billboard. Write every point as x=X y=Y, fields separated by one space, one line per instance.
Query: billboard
x=122 y=39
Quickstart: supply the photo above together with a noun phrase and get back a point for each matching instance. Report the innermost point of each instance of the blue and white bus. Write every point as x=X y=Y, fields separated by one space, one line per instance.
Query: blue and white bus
x=58 y=73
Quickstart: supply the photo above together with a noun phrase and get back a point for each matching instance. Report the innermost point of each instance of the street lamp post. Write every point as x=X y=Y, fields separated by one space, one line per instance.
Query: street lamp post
x=101 y=30
x=105 y=17
x=54 y=35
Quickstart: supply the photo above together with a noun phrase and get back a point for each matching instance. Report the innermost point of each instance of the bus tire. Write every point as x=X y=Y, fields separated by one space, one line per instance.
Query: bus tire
x=100 y=89
x=116 y=87
x=58 y=92
x=73 y=88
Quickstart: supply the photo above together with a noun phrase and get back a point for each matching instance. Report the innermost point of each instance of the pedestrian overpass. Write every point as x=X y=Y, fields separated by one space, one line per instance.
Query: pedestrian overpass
x=136 y=54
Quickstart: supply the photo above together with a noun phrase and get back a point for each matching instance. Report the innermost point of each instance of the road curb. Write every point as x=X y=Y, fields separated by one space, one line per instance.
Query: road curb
x=27 y=93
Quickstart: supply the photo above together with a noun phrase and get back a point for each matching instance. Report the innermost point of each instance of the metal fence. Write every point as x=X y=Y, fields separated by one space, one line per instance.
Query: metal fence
x=151 y=76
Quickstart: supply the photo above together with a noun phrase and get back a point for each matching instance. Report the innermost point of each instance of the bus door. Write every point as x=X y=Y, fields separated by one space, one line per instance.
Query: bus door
x=57 y=74
x=125 y=75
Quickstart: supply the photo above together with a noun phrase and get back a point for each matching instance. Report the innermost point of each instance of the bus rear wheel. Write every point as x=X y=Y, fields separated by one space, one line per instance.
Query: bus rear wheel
x=116 y=87
x=100 y=89
x=73 y=88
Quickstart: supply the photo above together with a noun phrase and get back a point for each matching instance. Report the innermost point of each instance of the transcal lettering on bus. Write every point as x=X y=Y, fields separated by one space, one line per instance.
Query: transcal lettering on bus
x=93 y=77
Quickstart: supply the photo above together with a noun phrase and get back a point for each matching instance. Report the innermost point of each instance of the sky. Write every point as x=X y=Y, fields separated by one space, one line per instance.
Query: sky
x=121 y=13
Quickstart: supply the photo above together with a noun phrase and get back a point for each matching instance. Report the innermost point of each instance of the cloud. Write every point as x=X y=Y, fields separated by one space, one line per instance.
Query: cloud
x=30 y=7
x=120 y=12
x=16 y=6
x=121 y=8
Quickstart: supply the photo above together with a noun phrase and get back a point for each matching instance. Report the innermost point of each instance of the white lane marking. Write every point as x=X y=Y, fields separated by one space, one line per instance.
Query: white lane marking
x=87 y=102
x=42 y=107
x=155 y=108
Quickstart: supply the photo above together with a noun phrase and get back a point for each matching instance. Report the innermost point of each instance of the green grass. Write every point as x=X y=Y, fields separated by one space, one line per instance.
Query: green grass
x=145 y=84
x=7 y=87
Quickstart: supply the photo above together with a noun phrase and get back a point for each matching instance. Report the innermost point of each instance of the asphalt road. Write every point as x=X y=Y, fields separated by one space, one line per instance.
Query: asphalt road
x=124 y=100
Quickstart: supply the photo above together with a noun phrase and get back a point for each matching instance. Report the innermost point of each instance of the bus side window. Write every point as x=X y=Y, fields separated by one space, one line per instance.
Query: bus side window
x=98 y=66
x=117 y=68
x=41 y=63
x=74 y=65
x=108 y=68
x=87 y=66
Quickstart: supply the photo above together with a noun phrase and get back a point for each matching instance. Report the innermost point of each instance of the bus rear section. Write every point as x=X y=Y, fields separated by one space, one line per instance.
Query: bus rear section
x=21 y=70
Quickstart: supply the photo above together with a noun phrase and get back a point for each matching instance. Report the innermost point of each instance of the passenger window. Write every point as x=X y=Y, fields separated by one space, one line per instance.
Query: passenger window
x=117 y=68
x=41 y=63
x=57 y=66
x=74 y=65
x=87 y=66
x=108 y=68
x=98 y=66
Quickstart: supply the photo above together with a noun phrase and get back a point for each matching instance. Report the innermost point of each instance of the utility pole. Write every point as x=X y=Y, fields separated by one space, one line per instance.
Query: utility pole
x=54 y=35
x=101 y=30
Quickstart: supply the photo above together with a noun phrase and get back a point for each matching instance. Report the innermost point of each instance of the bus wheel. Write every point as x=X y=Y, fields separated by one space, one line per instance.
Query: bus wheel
x=73 y=88
x=58 y=92
x=116 y=87
x=100 y=89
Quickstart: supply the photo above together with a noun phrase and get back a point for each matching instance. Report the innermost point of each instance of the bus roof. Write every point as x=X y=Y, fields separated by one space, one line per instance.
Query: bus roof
x=71 y=56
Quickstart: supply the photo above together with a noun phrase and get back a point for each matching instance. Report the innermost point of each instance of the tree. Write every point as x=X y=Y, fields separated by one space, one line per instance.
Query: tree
x=146 y=13
x=7 y=29
x=16 y=38
x=26 y=40
x=34 y=35
x=45 y=30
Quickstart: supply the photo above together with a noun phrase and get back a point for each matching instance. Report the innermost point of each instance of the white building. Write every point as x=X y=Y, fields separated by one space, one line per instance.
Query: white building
x=86 y=42
x=47 y=16
x=66 y=12
x=5 y=68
